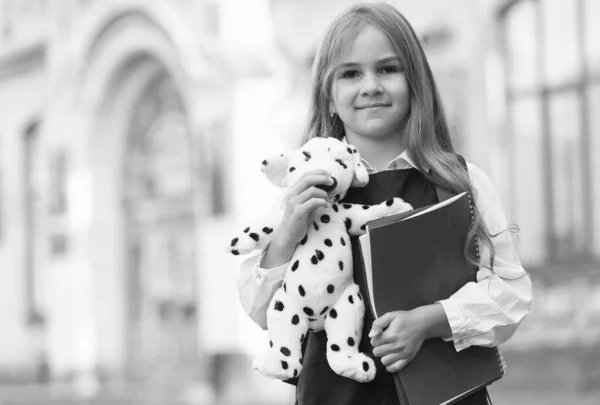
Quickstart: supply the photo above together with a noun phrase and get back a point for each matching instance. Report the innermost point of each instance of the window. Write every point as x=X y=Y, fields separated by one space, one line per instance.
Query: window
x=553 y=104
x=530 y=210
x=560 y=44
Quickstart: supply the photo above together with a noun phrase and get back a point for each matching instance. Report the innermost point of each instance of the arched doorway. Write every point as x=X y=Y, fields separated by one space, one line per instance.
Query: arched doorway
x=143 y=140
x=160 y=225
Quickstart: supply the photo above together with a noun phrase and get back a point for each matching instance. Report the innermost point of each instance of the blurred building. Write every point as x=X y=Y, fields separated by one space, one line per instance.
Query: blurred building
x=130 y=139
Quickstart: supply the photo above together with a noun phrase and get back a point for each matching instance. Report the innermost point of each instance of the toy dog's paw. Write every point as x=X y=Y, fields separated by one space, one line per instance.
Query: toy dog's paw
x=356 y=366
x=249 y=240
x=397 y=205
x=274 y=364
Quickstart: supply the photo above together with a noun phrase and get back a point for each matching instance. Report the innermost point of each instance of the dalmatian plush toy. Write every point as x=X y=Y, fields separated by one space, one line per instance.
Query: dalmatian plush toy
x=318 y=290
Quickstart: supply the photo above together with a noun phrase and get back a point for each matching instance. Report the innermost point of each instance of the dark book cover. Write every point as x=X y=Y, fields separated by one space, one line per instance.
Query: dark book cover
x=417 y=259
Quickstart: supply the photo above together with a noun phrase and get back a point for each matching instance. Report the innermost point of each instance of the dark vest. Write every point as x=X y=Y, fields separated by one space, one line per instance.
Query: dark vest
x=318 y=384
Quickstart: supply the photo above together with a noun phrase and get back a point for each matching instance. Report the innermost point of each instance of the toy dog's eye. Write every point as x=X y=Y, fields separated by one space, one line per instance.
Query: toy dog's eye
x=307 y=156
x=341 y=163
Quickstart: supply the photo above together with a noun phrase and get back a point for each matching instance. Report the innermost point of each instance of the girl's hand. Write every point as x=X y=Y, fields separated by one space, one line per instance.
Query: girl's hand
x=397 y=336
x=302 y=200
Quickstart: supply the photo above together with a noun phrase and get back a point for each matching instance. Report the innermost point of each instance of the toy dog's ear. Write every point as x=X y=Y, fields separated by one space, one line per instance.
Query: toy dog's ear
x=361 y=175
x=275 y=168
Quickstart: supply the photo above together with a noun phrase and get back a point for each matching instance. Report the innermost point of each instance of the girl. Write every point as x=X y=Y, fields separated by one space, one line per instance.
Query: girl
x=374 y=88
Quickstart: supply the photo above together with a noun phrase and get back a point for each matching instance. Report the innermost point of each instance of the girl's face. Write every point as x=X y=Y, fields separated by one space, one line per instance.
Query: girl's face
x=370 y=92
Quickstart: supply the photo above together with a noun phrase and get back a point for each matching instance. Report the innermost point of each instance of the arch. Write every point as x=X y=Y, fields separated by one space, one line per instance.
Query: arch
x=124 y=50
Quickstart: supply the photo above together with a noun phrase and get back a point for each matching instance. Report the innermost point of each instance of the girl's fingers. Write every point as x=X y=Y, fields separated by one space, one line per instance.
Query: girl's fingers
x=311 y=192
x=391 y=358
x=397 y=366
x=311 y=205
x=310 y=180
x=384 y=350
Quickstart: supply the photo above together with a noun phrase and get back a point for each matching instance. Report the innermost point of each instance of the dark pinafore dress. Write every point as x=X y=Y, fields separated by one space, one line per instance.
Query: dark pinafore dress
x=318 y=384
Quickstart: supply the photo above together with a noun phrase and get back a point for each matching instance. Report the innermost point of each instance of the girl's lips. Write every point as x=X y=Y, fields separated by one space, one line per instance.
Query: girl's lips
x=378 y=105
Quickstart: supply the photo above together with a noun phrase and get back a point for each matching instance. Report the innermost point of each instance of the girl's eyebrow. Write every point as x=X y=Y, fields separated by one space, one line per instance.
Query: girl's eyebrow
x=387 y=59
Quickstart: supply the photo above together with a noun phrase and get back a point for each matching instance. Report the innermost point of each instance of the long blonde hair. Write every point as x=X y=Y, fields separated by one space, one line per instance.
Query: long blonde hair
x=427 y=138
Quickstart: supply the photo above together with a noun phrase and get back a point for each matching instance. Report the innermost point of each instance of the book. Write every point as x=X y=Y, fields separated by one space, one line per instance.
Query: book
x=416 y=258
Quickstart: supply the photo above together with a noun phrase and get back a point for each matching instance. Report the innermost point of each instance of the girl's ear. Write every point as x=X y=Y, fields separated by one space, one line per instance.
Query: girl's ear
x=332 y=108
x=361 y=175
x=275 y=168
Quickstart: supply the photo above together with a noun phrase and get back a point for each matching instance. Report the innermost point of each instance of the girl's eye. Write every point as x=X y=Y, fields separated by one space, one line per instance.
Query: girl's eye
x=389 y=70
x=349 y=74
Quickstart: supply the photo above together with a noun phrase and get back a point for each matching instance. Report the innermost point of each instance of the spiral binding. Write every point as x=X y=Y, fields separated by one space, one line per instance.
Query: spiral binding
x=501 y=361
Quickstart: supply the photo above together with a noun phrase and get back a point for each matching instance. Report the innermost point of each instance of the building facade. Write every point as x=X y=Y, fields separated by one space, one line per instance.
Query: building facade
x=128 y=134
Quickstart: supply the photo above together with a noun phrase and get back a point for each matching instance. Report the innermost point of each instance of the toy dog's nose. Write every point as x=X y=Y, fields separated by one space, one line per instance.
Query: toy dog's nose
x=327 y=188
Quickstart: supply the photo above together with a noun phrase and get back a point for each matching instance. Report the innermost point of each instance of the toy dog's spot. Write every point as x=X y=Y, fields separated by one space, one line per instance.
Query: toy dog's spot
x=247 y=230
x=285 y=351
x=328 y=187
x=363 y=227
x=295 y=265
x=365 y=366
x=359 y=295
x=347 y=206
x=316 y=226
x=314 y=259
x=334 y=206
x=341 y=163
x=330 y=288
x=308 y=311
x=295 y=320
x=303 y=241
x=279 y=306
x=350 y=341
x=271 y=343
x=320 y=255
x=337 y=198
x=324 y=310
x=351 y=299
x=349 y=151
x=348 y=223
x=333 y=313
x=301 y=291
x=389 y=202
x=234 y=241
x=235 y=252
x=254 y=236
x=284 y=364
x=307 y=155
x=295 y=373
x=335 y=348
x=267 y=230
x=284 y=287
x=292 y=169
x=365 y=207
x=328 y=243
x=342 y=241
x=325 y=219
x=341 y=265
x=264 y=162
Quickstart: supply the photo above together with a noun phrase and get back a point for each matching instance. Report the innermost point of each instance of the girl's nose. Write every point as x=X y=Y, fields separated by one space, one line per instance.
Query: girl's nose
x=371 y=86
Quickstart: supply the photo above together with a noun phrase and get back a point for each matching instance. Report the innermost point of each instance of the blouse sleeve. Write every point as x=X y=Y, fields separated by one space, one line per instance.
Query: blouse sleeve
x=488 y=312
x=256 y=286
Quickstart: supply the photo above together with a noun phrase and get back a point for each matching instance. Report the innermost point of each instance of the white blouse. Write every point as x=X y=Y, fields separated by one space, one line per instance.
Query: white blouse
x=482 y=313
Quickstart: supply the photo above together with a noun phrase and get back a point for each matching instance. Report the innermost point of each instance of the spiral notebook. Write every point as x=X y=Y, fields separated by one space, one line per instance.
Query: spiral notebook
x=414 y=259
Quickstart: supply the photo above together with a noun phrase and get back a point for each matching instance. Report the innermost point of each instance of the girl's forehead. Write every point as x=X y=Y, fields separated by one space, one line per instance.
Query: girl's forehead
x=362 y=42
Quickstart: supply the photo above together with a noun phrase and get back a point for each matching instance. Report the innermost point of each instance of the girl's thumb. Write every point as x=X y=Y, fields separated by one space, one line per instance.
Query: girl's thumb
x=380 y=324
